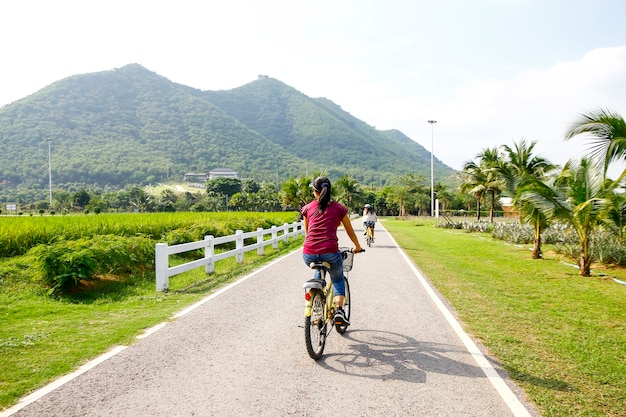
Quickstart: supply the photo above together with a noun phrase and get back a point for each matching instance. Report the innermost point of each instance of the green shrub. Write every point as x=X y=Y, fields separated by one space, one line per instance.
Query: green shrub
x=63 y=265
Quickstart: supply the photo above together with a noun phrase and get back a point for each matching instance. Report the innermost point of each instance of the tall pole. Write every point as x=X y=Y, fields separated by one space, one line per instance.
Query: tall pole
x=432 y=171
x=49 y=170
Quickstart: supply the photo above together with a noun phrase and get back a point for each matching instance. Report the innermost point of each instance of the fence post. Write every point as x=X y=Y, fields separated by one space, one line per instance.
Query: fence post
x=239 y=246
x=300 y=227
x=286 y=232
x=161 y=264
x=209 y=250
x=259 y=240
x=274 y=238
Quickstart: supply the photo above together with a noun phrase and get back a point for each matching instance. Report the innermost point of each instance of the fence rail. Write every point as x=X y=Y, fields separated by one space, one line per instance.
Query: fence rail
x=163 y=250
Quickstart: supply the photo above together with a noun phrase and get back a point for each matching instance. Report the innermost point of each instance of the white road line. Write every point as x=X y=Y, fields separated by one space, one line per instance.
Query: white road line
x=511 y=400
x=29 y=399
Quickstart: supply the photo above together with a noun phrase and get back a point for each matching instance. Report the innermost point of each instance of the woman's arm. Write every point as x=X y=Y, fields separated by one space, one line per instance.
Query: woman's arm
x=348 y=226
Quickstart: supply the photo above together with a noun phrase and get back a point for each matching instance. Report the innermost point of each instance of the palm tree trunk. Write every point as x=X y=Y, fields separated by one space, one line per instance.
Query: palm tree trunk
x=493 y=206
x=537 y=254
x=478 y=209
x=585 y=259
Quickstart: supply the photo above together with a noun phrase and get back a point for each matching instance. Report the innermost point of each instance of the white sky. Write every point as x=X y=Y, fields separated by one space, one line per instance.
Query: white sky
x=490 y=72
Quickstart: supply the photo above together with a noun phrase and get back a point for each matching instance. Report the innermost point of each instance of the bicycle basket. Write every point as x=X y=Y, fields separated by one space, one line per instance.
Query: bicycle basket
x=348 y=257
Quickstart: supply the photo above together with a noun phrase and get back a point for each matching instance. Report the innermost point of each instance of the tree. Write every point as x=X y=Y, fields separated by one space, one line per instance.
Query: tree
x=223 y=186
x=81 y=198
x=579 y=196
x=141 y=200
x=616 y=215
x=484 y=178
x=473 y=181
x=608 y=135
x=167 y=201
x=297 y=192
x=249 y=186
x=348 y=191
x=521 y=167
x=490 y=160
x=406 y=192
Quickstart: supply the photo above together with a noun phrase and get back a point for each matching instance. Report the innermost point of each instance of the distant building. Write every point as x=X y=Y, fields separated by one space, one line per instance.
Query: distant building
x=215 y=173
x=193 y=177
x=223 y=173
x=508 y=207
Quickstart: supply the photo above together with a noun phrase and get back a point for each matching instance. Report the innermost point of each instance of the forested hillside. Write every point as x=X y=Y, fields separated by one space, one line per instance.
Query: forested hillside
x=132 y=126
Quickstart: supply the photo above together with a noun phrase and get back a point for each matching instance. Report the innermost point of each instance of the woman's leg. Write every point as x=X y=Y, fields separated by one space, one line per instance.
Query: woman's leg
x=336 y=275
x=307 y=258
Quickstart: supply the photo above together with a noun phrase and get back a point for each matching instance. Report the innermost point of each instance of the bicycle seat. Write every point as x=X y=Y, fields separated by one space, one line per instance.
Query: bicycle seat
x=319 y=265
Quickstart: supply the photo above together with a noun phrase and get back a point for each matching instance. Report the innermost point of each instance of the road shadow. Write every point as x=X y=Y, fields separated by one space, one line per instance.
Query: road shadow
x=391 y=356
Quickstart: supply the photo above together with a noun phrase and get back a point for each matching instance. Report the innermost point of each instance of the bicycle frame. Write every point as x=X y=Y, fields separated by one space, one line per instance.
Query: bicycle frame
x=320 y=309
x=369 y=230
x=324 y=285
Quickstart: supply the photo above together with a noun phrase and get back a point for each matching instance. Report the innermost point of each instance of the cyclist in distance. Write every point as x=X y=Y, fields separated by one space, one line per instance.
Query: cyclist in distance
x=322 y=217
x=369 y=219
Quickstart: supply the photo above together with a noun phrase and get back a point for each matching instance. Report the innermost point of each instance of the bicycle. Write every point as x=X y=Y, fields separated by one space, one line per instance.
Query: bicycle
x=319 y=309
x=369 y=233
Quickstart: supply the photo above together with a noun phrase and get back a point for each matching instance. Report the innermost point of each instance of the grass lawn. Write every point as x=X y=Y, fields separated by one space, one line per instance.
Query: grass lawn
x=561 y=337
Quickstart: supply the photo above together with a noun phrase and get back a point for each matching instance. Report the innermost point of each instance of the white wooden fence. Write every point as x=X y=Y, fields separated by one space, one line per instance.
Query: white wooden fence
x=163 y=251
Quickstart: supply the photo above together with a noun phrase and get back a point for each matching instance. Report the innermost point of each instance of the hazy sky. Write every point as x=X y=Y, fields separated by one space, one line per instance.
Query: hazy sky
x=490 y=72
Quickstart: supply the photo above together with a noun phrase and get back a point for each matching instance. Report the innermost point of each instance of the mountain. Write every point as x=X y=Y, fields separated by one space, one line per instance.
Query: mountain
x=133 y=126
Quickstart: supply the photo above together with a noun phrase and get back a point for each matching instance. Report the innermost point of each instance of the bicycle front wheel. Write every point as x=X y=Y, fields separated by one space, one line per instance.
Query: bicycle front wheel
x=347 y=304
x=315 y=326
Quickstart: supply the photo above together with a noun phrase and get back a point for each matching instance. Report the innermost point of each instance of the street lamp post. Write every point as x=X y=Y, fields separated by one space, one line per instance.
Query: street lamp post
x=432 y=172
x=49 y=171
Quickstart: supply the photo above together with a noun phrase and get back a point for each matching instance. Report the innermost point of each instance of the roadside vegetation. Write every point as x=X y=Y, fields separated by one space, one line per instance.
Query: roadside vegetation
x=560 y=336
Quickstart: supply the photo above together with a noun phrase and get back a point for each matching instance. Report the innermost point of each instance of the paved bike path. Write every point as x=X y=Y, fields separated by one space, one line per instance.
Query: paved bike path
x=241 y=352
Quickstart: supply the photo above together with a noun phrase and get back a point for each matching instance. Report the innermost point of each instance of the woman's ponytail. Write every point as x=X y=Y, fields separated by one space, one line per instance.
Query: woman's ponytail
x=323 y=187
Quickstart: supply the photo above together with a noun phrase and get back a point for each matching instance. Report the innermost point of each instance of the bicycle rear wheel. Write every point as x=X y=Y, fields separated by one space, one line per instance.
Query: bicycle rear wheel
x=341 y=329
x=315 y=326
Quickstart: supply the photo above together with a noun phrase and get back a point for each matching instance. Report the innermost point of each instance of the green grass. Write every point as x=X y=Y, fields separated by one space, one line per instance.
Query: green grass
x=560 y=336
x=43 y=337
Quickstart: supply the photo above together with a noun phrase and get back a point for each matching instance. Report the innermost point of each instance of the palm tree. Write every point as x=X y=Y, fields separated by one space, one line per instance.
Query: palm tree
x=519 y=168
x=616 y=215
x=472 y=182
x=297 y=191
x=579 y=196
x=520 y=163
x=608 y=135
x=483 y=177
x=490 y=160
x=407 y=190
x=348 y=190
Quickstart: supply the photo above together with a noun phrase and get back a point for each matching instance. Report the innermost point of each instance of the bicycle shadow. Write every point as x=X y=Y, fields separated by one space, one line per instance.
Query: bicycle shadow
x=392 y=356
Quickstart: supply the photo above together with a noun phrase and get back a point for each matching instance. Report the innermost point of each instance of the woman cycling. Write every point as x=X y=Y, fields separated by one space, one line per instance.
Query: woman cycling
x=321 y=218
x=369 y=219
